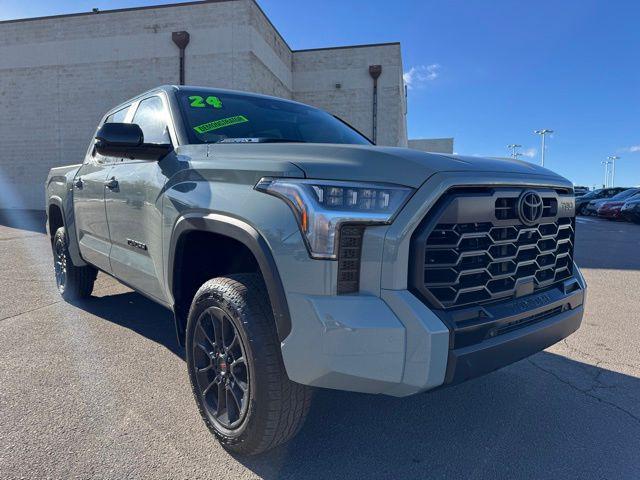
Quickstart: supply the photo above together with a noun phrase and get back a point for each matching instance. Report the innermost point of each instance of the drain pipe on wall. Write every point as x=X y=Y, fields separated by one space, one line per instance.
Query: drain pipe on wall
x=375 y=71
x=181 y=39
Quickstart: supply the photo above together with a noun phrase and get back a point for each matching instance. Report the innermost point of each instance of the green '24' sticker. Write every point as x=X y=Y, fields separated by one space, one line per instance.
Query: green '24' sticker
x=200 y=102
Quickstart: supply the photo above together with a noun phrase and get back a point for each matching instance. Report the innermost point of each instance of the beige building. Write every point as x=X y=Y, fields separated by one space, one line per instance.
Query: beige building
x=59 y=74
x=435 y=145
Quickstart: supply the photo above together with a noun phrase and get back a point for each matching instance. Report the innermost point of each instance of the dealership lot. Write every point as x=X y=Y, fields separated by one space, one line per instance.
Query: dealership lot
x=100 y=390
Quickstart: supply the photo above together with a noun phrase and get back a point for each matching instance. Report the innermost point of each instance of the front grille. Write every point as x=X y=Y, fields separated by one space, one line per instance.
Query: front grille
x=462 y=262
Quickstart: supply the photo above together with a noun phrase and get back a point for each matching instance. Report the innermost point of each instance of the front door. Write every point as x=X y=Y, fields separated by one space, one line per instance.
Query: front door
x=88 y=202
x=134 y=209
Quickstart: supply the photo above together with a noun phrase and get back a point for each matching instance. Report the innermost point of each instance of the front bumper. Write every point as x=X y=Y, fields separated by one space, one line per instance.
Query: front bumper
x=515 y=334
x=609 y=213
x=476 y=360
x=631 y=213
x=395 y=345
x=591 y=210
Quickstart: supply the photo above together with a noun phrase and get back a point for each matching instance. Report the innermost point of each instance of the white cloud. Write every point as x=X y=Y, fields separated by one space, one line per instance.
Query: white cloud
x=632 y=149
x=419 y=75
x=529 y=152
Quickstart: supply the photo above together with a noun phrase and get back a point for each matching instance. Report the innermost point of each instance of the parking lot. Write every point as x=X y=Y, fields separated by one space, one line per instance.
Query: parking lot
x=100 y=390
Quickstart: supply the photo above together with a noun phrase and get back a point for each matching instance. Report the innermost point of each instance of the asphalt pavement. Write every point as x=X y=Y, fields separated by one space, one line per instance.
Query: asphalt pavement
x=100 y=390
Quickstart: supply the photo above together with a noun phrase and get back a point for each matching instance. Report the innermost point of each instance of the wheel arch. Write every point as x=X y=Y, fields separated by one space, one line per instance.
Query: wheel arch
x=250 y=238
x=55 y=215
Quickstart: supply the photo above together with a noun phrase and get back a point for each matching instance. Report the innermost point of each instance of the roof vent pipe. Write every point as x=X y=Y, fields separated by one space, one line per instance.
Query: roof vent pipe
x=181 y=39
x=375 y=71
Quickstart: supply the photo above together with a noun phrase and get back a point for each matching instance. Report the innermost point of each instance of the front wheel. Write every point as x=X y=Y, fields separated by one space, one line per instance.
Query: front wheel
x=236 y=370
x=73 y=282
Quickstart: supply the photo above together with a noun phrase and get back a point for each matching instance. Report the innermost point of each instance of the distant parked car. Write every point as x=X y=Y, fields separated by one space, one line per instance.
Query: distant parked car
x=631 y=209
x=600 y=194
x=580 y=191
x=593 y=206
x=611 y=208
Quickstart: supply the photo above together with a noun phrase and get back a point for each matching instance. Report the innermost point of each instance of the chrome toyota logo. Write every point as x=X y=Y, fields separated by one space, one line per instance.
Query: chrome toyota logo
x=530 y=207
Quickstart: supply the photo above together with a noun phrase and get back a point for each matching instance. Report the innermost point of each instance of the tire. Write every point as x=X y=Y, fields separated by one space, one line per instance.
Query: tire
x=236 y=370
x=581 y=211
x=74 y=283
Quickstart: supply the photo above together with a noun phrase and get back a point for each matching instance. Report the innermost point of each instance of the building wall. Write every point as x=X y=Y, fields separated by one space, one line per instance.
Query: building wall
x=58 y=76
x=316 y=73
x=435 y=145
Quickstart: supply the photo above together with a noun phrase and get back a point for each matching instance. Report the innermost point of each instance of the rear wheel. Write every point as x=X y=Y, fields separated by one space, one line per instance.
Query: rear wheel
x=236 y=370
x=73 y=282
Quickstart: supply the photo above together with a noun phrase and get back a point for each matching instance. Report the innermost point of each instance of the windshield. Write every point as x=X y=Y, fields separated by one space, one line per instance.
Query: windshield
x=592 y=193
x=625 y=194
x=212 y=117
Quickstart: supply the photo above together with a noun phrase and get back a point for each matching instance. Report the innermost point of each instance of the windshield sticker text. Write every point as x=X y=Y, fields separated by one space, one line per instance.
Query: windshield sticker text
x=200 y=102
x=223 y=122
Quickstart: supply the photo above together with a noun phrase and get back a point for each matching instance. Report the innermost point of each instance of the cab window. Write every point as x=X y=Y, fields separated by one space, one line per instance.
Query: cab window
x=115 y=117
x=152 y=119
x=119 y=116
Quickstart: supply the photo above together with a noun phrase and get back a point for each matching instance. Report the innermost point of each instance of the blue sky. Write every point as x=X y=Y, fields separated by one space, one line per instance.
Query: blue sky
x=485 y=72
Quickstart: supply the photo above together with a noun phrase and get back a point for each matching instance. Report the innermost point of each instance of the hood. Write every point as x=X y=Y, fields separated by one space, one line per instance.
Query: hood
x=401 y=166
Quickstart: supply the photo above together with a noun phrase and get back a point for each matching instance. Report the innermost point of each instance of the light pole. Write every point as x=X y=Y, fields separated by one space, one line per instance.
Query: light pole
x=513 y=148
x=543 y=133
x=613 y=159
x=606 y=164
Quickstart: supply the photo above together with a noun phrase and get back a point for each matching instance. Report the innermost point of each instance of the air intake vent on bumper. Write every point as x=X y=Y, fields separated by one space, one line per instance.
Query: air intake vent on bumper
x=349 y=251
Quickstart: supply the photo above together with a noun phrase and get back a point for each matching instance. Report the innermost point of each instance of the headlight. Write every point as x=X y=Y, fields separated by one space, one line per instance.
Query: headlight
x=322 y=206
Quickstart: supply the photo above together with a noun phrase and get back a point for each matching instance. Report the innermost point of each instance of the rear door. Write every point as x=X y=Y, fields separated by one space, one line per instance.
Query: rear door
x=88 y=203
x=134 y=204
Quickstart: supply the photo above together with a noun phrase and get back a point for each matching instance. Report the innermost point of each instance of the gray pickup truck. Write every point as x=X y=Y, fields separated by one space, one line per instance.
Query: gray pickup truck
x=294 y=254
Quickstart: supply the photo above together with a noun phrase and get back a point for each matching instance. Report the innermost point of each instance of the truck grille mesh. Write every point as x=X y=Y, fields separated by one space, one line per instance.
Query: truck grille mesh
x=473 y=263
x=350 y=249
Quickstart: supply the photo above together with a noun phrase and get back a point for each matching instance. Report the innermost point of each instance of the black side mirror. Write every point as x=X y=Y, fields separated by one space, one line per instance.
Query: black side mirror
x=127 y=140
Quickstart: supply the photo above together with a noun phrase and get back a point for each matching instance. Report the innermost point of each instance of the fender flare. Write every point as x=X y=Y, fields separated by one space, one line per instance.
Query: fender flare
x=55 y=200
x=69 y=224
x=247 y=235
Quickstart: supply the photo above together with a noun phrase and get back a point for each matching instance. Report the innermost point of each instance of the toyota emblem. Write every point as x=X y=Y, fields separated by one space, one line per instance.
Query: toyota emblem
x=530 y=207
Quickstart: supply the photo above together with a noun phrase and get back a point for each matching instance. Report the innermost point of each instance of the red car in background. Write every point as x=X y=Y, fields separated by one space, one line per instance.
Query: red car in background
x=611 y=209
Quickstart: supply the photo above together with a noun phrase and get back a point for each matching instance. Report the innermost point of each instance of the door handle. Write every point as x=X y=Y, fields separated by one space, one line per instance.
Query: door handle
x=111 y=184
x=79 y=183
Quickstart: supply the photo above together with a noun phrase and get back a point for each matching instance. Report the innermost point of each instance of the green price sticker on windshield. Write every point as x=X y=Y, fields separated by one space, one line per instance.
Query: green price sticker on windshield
x=196 y=101
x=223 y=122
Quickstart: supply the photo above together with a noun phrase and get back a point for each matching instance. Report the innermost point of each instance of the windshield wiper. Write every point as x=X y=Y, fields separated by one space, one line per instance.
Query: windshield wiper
x=259 y=140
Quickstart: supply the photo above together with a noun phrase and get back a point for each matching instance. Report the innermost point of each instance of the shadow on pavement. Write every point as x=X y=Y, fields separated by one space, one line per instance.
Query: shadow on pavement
x=545 y=417
x=32 y=220
x=137 y=313
x=520 y=422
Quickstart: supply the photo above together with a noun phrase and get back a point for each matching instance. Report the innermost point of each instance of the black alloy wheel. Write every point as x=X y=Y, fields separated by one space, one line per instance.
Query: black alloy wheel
x=220 y=368
x=235 y=366
x=73 y=282
x=60 y=265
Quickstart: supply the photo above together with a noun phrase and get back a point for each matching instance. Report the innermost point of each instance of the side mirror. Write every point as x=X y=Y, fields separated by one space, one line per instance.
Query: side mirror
x=127 y=140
